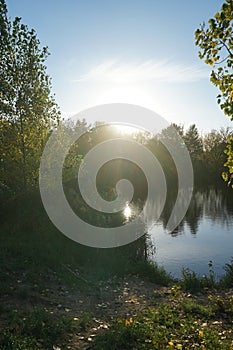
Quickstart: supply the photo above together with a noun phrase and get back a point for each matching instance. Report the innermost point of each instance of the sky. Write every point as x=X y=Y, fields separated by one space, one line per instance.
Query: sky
x=133 y=51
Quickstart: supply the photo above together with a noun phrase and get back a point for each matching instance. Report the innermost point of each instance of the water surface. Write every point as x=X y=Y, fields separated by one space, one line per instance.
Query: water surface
x=205 y=234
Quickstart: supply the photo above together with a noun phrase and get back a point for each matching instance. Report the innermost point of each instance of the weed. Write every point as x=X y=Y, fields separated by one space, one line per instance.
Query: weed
x=191 y=281
x=194 y=283
x=227 y=279
x=222 y=305
x=192 y=307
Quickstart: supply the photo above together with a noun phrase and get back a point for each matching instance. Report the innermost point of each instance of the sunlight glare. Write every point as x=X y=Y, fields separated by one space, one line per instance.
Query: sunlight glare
x=127 y=212
x=126 y=129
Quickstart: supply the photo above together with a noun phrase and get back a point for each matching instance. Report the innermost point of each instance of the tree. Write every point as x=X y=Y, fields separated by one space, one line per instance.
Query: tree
x=28 y=110
x=214 y=145
x=193 y=142
x=216 y=44
x=179 y=129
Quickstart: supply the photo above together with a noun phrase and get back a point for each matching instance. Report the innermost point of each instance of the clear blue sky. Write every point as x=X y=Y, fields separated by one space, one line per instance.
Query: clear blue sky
x=133 y=51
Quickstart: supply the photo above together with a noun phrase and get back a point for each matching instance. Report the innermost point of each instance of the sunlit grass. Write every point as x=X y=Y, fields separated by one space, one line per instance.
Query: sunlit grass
x=176 y=323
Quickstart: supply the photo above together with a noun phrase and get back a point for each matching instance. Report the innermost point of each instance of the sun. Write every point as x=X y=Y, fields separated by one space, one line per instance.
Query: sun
x=126 y=129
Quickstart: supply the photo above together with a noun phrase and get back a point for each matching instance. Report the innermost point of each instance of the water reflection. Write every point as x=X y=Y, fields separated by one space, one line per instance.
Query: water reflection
x=127 y=212
x=205 y=233
x=213 y=204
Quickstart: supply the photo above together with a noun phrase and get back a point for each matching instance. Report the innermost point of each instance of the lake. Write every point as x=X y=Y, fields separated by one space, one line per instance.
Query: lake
x=206 y=233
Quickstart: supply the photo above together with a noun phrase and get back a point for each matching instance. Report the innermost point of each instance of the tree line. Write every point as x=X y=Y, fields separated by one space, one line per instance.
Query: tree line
x=29 y=113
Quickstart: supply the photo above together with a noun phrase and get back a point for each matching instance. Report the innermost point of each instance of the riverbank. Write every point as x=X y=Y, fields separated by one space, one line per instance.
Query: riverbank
x=127 y=312
x=55 y=294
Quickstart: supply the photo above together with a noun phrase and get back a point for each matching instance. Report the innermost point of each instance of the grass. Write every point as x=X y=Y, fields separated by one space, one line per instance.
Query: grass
x=179 y=325
x=174 y=324
x=195 y=283
x=177 y=321
x=39 y=329
x=192 y=307
x=153 y=272
x=227 y=279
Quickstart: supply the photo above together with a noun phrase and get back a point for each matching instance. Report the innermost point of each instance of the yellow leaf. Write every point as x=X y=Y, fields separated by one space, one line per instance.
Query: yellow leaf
x=127 y=323
x=200 y=334
x=212 y=61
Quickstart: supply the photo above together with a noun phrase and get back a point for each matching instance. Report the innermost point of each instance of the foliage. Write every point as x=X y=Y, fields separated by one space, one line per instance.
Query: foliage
x=195 y=308
x=227 y=279
x=215 y=142
x=216 y=49
x=194 y=283
x=193 y=142
x=229 y=152
x=39 y=329
x=206 y=152
x=177 y=324
x=191 y=281
x=28 y=110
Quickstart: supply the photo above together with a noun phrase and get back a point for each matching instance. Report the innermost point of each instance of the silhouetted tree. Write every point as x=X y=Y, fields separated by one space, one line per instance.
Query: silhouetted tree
x=28 y=110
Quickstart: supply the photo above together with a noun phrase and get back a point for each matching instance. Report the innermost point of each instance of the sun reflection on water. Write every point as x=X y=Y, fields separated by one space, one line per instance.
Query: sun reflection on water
x=127 y=212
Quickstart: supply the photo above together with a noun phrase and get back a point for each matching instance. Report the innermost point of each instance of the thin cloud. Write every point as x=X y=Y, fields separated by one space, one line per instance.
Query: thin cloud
x=126 y=73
